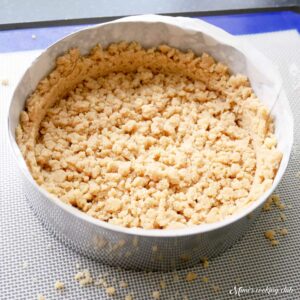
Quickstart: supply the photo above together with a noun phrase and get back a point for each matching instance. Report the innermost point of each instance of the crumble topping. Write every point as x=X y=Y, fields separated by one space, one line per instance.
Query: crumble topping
x=152 y=138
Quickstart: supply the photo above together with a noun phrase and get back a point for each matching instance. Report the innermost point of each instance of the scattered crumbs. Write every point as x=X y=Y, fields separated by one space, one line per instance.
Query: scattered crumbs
x=282 y=217
x=84 y=277
x=128 y=297
x=205 y=279
x=268 y=204
x=175 y=277
x=156 y=295
x=270 y=235
x=110 y=291
x=33 y=36
x=277 y=202
x=59 y=285
x=205 y=262
x=191 y=276
x=25 y=264
x=162 y=284
x=185 y=297
x=123 y=284
x=283 y=231
x=41 y=297
x=5 y=82
x=215 y=288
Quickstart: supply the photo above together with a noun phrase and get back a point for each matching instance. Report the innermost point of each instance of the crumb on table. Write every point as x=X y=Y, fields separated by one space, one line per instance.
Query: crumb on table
x=191 y=276
x=128 y=297
x=123 y=284
x=205 y=262
x=156 y=295
x=59 y=285
x=110 y=291
x=84 y=277
x=163 y=284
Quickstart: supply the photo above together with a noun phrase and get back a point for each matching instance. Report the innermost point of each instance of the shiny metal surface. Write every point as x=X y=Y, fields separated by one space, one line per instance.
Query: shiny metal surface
x=138 y=248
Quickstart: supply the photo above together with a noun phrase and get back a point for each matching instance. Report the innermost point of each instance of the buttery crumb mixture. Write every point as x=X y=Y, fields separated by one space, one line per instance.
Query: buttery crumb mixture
x=150 y=138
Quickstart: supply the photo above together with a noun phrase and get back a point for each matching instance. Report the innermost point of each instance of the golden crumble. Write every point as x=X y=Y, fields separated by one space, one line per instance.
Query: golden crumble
x=162 y=284
x=128 y=297
x=274 y=242
x=270 y=234
x=59 y=285
x=110 y=291
x=151 y=138
x=191 y=276
x=205 y=262
x=123 y=284
x=156 y=295
x=84 y=277
x=283 y=231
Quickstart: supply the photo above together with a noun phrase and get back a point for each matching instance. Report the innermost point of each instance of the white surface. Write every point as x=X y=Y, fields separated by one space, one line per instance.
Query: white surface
x=251 y=262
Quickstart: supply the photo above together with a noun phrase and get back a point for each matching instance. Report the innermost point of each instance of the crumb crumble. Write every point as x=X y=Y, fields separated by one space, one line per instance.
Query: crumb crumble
x=151 y=138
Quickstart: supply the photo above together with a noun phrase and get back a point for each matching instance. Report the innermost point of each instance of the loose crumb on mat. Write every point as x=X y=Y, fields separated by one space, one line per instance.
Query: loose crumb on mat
x=128 y=297
x=191 y=276
x=283 y=231
x=205 y=262
x=270 y=234
x=84 y=277
x=156 y=295
x=41 y=297
x=163 y=284
x=59 y=285
x=110 y=291
x=273 y=199
x=274 y=242
x=123 y=284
